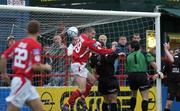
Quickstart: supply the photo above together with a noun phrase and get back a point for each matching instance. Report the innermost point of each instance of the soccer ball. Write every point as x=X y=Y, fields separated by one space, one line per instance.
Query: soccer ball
x=72 y=32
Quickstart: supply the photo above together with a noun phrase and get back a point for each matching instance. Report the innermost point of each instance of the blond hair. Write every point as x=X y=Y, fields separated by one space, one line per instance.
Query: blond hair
x=102 y=37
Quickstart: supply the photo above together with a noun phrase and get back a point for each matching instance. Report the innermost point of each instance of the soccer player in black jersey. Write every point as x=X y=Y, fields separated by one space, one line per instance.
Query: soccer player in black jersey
x=108 y=86
x=173 y=77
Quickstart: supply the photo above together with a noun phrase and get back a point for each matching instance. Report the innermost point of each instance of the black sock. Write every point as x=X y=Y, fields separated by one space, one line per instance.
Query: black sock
x=132 y=103
x=144 y=105
x=118 y=105
x=104 y=106
x=113 y=106
x=166 y=109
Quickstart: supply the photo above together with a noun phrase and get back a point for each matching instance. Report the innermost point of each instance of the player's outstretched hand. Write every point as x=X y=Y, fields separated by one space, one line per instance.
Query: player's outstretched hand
x=6 y=78
x=48 y=67
x=155 y=76
x=158 y=75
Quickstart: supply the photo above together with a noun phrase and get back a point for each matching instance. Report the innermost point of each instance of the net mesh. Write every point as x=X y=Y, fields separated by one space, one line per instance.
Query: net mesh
x=13 y=22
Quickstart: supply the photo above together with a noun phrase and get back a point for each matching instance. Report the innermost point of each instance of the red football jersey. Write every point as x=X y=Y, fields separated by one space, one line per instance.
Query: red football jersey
x=84 y=46
x=25 y=53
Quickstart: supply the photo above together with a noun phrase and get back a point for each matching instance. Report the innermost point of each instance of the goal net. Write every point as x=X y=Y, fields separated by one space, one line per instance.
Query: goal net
x=54 y=21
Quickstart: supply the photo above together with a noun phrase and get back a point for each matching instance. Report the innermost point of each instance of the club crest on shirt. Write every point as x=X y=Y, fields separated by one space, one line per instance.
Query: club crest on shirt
x=36 y=51
x=37 y=58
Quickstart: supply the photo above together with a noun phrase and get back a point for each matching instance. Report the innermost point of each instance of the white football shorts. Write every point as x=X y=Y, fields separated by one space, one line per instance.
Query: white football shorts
x=21 y=92
x=79 y=69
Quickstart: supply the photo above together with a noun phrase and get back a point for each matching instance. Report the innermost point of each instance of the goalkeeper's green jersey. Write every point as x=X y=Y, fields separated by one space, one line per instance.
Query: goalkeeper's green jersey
x=137 y=61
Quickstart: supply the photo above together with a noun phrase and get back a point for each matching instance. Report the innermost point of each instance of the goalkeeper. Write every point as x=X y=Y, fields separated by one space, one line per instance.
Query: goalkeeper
x=136 y=66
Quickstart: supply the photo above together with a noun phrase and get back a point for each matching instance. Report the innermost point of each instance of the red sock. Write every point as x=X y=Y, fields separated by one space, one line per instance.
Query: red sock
x=74 y=96
x=88 y=89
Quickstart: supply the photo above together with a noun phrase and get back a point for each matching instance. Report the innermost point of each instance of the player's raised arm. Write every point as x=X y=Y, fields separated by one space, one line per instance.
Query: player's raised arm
x=166 y=49
x=95 y=47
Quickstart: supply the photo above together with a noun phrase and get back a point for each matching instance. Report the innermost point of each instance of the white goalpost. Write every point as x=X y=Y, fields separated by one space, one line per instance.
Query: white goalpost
x=111 y=23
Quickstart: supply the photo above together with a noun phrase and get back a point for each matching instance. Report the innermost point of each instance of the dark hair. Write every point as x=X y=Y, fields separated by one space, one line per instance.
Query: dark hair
x=33 y=27
x=135 y=45
x=122 y=36
x=136 y=34
x=89 y=29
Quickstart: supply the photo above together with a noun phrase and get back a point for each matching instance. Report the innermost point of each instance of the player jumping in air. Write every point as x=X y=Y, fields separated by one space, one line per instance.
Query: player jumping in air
x=81 y=54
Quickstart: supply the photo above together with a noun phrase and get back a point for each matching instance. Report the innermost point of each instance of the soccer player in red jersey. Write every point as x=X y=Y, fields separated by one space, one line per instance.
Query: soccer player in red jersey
x=81 y=54
x=27 y=58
